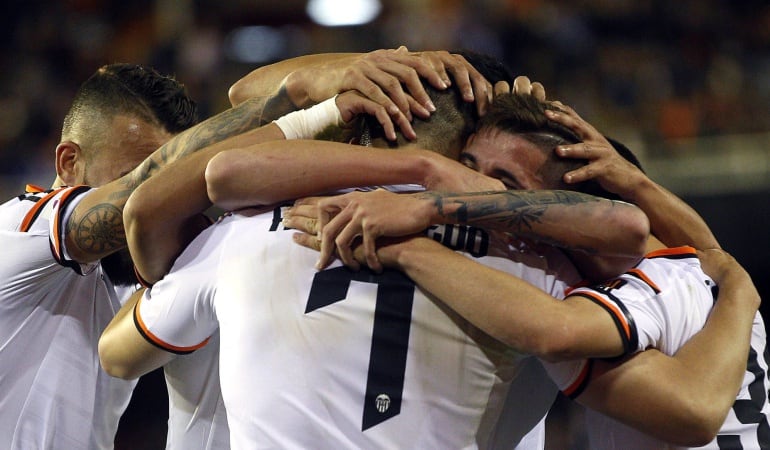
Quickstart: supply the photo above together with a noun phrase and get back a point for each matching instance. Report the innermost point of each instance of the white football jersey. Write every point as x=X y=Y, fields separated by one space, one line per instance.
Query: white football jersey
x=341 y=359
x=196 y=411
x=661 y=303
x=53 y=391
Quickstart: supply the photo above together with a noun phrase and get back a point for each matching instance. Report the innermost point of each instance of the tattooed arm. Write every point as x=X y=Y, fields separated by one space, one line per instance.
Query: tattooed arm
x=562 y=218
x=389 y=77
x=95 y=227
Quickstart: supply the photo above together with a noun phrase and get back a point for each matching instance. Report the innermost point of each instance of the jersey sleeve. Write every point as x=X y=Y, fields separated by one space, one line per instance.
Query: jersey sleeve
x=177 y=313
x=61 y=206
x=571 y=377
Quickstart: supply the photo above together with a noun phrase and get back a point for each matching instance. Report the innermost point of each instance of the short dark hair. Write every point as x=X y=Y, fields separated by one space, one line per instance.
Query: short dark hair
x=449 y=127
x=135 y=90
x=490 y=67
x=524 y=115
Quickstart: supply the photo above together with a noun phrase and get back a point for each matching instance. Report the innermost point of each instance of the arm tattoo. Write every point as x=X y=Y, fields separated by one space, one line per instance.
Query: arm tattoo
x=237 y=120
x=511 y=211
x=99 y=230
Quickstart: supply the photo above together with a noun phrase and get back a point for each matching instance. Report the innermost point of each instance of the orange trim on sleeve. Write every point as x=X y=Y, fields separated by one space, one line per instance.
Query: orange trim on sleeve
x=33 y=189
x=57 y=223
x=35 y=210
x=158 y=341
x=643 y=276
x=683 y=250
x=612 y=308
x=580 y=382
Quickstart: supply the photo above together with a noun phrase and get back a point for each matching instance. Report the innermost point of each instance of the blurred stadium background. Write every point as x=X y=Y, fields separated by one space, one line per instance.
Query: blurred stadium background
x=685 y=84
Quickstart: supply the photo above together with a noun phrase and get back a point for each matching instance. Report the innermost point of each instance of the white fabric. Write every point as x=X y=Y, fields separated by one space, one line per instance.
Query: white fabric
x=307 y=123
x=197 y=419
x=665 y=318
x=293 y=378
x=53 y=392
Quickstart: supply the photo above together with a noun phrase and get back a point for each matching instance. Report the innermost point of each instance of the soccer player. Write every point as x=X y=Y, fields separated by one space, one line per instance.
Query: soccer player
x=661 y=303
x=349 y=371
x=67 y=275
x=61 y=278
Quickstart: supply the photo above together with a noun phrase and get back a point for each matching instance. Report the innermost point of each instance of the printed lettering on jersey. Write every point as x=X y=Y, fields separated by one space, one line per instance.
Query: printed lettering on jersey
x=472 y=240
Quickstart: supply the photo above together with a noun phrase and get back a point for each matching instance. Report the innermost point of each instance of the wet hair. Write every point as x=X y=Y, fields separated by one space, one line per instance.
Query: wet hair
x=524 y=115
x=130 y=89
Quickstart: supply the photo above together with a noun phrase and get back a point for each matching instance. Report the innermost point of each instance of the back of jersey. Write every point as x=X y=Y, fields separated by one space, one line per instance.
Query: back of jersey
x=344 y=359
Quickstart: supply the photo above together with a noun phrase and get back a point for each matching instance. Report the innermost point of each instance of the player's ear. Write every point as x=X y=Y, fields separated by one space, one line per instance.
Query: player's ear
x=68 y=163
x=470 y=139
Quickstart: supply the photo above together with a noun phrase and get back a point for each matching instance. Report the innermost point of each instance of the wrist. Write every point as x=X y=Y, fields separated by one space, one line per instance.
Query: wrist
x=307 y=123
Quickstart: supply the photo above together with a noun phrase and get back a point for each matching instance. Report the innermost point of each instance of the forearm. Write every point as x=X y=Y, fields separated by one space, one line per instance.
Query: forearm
x=267 y=79
x=565 y=219
x=672 y=220
x=284 y=170
x=506 y=307
x=683 y=399
x=164 y=213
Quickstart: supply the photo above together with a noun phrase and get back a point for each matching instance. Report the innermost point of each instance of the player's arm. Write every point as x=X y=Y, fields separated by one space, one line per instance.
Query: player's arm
x=504 y=306
x=163 y=214
x=86 y=240
x=123 y=352
x=391 y=78
x=684 y=399
x=561 y=218
x=671 y=220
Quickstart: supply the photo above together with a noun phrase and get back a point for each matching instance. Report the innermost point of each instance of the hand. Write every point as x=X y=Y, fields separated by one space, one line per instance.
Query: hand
x=344 y=221
x=352 y=103
x=613 y=172
x=451 y=176
x=470 y=83
x=521 y=86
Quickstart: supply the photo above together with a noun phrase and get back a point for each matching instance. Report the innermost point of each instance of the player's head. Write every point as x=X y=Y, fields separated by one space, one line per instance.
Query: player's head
x=120 y=115
x=515 y=142
x=454 y=120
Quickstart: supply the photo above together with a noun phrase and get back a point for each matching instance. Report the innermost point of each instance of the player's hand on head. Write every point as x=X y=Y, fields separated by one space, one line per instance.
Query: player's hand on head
x=604 y=164
x=353 y=103
x=454 y=68
x=521 y=85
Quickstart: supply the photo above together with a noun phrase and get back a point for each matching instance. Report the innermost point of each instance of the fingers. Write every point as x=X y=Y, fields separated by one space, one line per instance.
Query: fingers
x=538 y=91
x=522 y=85
x=502 y=87
x=351 y=103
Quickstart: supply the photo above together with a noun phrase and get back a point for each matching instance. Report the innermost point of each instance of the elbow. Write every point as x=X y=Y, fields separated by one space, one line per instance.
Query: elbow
x=636 y=227
x=113 y=367
x=218 y=176
x=698 y=425
x=237 y=93
x=555 y=345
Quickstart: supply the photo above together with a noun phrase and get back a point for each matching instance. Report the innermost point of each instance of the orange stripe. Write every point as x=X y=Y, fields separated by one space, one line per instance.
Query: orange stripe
x=57 y=244
x=33 y=189
x=160 y=341
x=579 y=381
x=32 y=213
x=612 y=307
x=643 y=276
x=683 y=250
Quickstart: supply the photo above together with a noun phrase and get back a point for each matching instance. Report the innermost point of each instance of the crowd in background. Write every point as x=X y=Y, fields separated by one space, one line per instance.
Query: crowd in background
x=647 y=71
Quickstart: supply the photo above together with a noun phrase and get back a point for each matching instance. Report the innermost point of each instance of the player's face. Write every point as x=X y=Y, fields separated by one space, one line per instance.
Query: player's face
x=127 y=143
x=510 y=158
